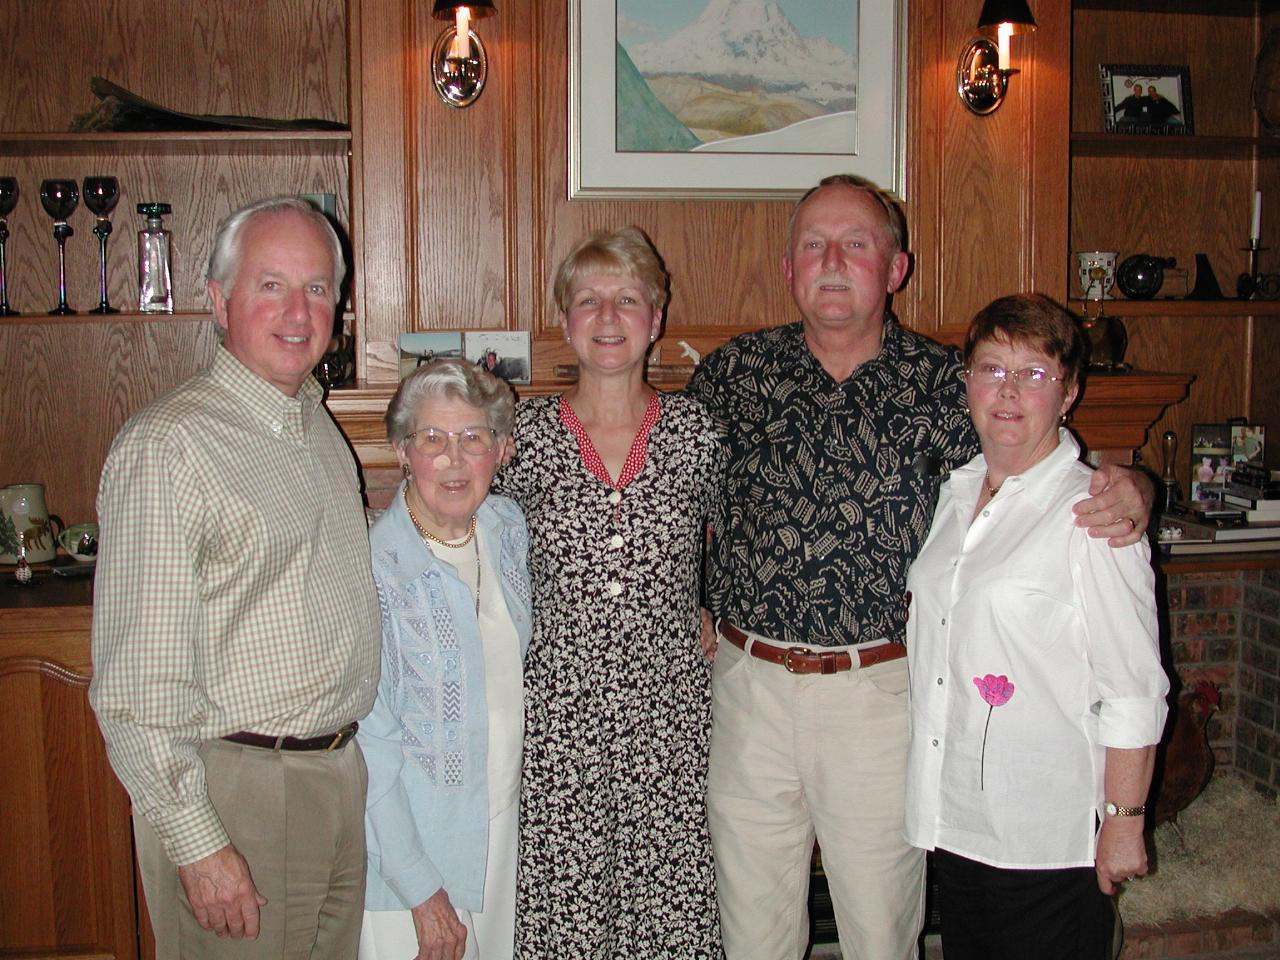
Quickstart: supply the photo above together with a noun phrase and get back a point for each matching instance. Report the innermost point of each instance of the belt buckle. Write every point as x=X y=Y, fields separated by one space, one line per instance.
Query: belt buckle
x=339 y=739
x=795 y=651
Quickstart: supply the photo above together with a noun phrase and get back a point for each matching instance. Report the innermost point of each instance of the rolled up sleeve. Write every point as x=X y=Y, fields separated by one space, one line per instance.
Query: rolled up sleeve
x=1117 y=595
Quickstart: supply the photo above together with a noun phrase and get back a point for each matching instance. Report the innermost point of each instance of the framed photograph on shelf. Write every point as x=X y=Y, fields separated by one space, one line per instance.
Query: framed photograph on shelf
x=1210 y=460
x=1146 y=98
x=506 y=353
x=1248 y=442
x=418 y=348
x=706 y=99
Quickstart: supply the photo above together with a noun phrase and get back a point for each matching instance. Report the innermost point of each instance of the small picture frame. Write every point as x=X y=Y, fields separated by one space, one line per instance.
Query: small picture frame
x=1248 y=442
x=505 y=353
x=1210 y=460
x=419 y=348
x=1146 y=98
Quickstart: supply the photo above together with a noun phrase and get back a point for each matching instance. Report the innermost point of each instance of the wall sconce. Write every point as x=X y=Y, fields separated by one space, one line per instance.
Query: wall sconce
x=982 y=78
x=459 y=65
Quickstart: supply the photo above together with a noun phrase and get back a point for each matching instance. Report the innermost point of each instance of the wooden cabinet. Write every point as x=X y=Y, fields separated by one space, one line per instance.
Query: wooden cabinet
x=1179 y=196
x=72 y=381
x=66 y=877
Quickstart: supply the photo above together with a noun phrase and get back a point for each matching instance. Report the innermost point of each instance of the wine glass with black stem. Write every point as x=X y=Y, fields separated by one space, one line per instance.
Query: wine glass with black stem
x=60 y=199
x=100 y=196
x=8 y=200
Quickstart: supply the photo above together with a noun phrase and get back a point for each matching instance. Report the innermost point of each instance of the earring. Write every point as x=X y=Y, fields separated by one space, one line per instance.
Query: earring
x=405 y=471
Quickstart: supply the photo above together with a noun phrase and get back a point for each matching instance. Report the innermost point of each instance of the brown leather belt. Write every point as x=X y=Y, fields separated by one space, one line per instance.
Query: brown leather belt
x=329 y=741
x=807 y=660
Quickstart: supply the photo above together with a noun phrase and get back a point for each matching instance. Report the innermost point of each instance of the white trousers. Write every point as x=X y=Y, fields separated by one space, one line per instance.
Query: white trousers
x=797 y=756
x=389 y=935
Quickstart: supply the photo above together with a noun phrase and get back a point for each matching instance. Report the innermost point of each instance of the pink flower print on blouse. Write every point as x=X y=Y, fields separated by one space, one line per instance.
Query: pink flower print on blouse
x=996 y=691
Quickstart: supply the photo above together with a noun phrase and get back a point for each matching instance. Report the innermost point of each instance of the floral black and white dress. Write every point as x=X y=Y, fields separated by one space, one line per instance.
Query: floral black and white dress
x=615 y=855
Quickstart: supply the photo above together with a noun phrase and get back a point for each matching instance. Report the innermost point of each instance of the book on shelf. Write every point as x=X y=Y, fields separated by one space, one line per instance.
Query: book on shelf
x=1180 y=533
x=1255 y=510
x=1186 y=547
x=1250 y=491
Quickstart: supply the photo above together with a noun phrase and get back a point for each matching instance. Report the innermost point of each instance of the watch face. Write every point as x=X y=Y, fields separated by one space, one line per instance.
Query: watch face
x=1110 y=808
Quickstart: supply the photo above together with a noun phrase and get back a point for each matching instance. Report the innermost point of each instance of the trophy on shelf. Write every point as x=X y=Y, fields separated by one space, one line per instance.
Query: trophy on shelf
x=8 y=200
x=1107 y=337
x=60 y=199
x=1097 y=273
x=100 y=196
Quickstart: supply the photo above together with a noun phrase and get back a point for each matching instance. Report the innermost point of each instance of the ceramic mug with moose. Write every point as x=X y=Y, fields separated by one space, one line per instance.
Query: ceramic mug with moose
x=26 y=528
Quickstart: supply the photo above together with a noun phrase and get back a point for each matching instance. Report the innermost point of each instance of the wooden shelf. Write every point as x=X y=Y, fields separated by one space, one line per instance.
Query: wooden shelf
x=1219 y=8
x=181 y=143
x=1155 y=146
x=1210 y=562
x=1179 y=308
x=34 y=318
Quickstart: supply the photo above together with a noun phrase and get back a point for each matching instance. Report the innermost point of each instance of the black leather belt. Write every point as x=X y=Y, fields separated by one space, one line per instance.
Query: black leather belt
x=808 y=660
x=329 y=741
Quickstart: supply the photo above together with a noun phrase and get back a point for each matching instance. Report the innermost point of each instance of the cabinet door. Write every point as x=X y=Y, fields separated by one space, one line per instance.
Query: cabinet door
x=66 y=876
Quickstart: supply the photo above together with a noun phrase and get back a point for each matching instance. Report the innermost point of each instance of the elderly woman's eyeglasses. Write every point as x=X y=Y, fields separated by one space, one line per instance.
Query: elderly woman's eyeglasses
x=1028 y=378
x=473 y=441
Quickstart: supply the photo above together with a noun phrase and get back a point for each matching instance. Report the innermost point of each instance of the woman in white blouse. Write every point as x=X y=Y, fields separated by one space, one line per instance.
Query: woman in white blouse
x=1037 y=695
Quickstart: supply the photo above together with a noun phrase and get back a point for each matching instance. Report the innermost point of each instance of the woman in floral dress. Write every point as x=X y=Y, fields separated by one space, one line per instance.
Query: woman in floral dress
x=617 y=483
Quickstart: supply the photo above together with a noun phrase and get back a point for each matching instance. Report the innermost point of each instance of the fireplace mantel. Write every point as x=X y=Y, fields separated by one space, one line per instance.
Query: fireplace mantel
x=1112 y=418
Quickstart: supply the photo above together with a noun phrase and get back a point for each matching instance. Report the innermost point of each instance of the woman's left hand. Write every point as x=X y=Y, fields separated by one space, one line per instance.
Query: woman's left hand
x=1122 y=853
x=1119 y=507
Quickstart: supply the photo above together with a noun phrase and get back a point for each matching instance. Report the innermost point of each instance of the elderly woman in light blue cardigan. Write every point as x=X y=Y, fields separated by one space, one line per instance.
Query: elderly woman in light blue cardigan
x=443 y=742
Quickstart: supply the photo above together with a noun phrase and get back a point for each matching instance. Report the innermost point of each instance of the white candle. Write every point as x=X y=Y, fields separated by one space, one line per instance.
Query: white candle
x=1255 y=229
x=1003 y=32
x=461 y=48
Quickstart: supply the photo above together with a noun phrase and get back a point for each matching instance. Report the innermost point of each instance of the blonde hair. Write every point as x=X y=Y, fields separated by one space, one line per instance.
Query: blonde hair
x=626 y=252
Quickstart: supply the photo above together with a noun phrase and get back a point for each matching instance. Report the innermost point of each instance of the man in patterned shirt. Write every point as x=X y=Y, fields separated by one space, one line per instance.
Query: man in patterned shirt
x=235 y=631
x=840 y=429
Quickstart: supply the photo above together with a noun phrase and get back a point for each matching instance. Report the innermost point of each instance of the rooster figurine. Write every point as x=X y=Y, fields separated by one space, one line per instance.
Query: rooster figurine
x=1187 y=759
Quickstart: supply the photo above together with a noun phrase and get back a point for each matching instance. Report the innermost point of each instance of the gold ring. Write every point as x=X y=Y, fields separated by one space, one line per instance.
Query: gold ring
x=1133 y=524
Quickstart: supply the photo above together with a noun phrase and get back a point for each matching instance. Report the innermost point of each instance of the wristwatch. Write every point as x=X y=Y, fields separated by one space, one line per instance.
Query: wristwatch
x=1115 y=810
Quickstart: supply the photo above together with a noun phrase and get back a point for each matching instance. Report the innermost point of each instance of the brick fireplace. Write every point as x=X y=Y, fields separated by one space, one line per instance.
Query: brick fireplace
x=1224 y=626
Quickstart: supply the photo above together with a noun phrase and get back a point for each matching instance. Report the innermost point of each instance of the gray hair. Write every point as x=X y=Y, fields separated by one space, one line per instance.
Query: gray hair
x=224 y=261
x=451 y=377
x=896 y=220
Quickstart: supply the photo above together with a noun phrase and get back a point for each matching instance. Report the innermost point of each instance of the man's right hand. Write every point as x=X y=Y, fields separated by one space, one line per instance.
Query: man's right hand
x=222 y=895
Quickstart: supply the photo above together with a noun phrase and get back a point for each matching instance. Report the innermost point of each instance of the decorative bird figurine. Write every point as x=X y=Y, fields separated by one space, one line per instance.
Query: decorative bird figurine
x=1186 y=762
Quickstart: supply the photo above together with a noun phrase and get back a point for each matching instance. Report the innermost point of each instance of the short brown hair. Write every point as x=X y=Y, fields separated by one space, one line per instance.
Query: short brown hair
x=1035 y=320
x=626 y=252
x=895 y=219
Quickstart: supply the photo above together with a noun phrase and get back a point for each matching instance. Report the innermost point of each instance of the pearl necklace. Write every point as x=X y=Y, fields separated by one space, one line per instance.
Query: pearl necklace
x=429 y=537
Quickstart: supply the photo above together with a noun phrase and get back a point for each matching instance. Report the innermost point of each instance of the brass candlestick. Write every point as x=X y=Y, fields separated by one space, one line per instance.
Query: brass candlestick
x=1169 y=479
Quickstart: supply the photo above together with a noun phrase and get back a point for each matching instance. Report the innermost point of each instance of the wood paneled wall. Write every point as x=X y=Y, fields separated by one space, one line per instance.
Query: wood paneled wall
x=1180 y=206
x=458 y=217
x=488 y=216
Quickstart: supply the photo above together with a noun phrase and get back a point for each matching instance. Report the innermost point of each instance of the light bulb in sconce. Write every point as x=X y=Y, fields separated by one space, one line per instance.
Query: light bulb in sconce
x=459 y=62
x=982 y=78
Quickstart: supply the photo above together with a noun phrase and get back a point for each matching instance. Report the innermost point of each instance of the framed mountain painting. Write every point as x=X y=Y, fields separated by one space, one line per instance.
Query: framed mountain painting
x=733 y=98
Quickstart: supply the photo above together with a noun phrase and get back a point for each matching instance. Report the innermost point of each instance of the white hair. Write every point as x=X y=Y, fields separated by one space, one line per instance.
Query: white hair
x=224 y=261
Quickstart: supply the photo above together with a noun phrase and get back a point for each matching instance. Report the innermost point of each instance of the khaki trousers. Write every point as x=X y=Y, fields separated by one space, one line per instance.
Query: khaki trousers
x=297 y=817
x=797 y=756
